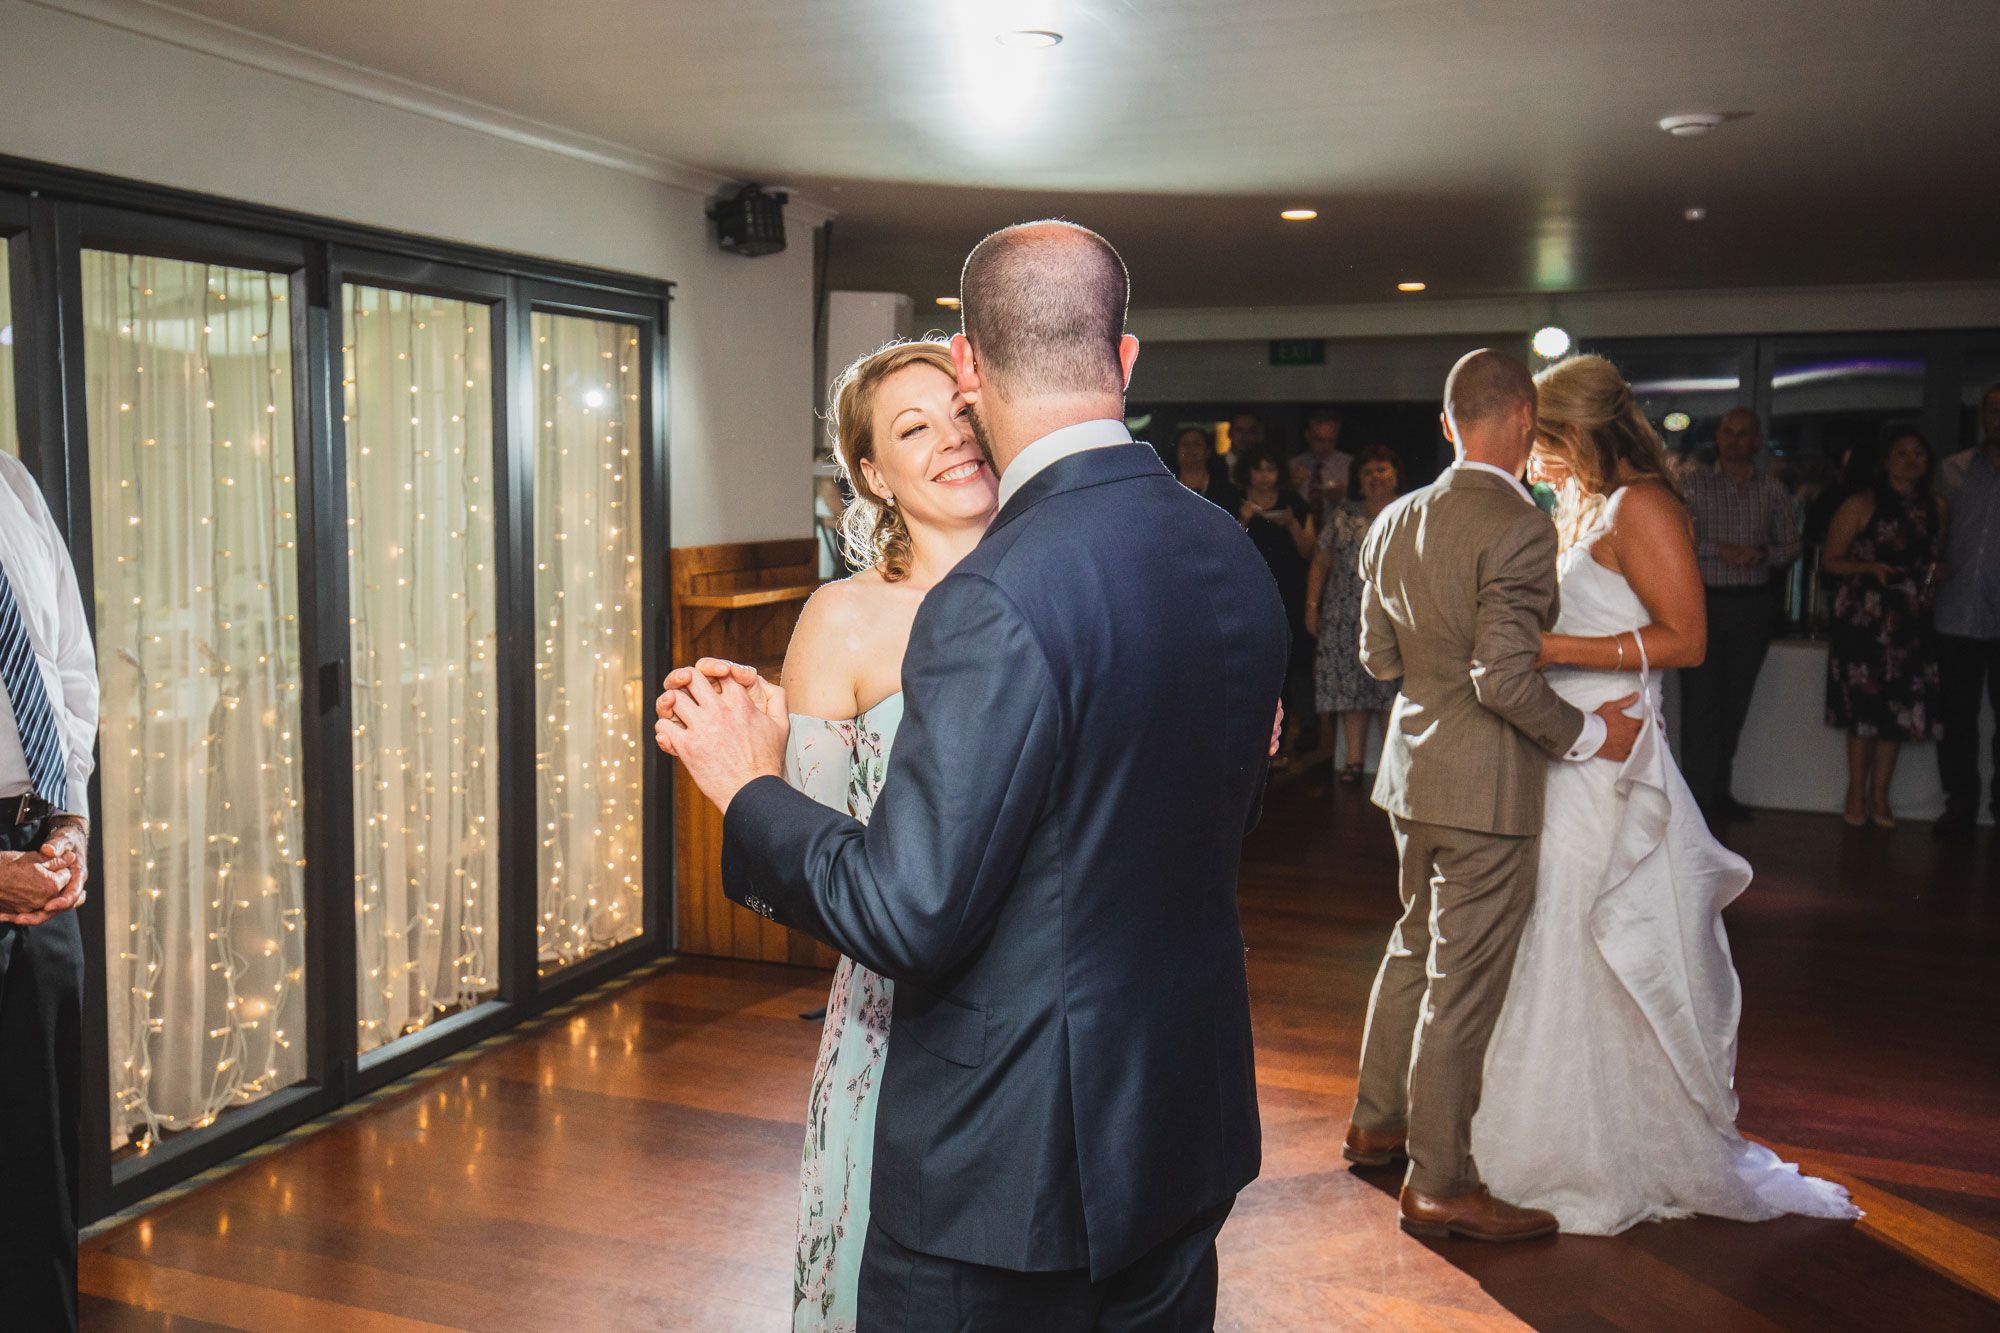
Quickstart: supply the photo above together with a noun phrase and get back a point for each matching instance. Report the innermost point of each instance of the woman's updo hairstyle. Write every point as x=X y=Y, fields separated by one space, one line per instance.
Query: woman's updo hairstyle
x=1585 y=413
x=872 y=531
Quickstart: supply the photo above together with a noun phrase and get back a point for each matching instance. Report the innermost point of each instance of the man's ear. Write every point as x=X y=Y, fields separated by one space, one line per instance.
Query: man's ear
x=1444 y=424
x=1128 y=356
x=967 y=365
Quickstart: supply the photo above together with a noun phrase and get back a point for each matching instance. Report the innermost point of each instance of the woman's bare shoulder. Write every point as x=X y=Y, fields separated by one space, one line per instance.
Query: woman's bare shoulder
x=822 y=664
x=1650 y=499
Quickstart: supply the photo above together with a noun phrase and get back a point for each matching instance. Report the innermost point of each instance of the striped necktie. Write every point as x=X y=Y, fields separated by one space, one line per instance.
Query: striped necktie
x=34 y=720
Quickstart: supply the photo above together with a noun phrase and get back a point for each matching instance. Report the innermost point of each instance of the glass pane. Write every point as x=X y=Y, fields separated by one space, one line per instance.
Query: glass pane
x=1684 y=392
x=9 y=443
x=418 y=408
x=191 y=464
x=590 y=691
x=1982 y=376
x=1830 y=408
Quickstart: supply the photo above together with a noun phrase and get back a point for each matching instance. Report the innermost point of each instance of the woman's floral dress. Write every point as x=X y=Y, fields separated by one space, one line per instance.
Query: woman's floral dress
x=841 y=764
x=1343 y=686
x=1882 y=671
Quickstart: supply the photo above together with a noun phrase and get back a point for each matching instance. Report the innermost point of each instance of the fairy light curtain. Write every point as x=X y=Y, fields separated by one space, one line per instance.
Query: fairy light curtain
x=188 y=370
x=590 y=693
x=418 y=412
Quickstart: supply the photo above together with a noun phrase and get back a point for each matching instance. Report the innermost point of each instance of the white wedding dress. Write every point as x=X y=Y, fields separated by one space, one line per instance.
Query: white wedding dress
x=1609 y=1094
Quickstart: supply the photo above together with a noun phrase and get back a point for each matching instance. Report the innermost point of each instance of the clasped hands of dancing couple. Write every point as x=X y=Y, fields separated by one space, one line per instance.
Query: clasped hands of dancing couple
x=1035 y=1102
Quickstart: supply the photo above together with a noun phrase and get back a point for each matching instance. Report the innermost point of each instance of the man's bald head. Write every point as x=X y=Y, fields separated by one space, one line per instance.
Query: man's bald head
x=1044 y=308
x=1484 y=385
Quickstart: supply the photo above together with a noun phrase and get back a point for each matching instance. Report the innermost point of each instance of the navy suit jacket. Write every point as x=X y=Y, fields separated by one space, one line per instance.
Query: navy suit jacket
x=1050 y=875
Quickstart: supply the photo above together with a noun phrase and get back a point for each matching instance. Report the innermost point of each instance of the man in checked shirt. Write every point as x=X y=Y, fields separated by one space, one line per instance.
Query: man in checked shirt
x=1743 y=535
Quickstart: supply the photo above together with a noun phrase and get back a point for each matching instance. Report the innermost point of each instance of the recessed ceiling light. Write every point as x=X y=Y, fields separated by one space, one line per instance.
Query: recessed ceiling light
x=950 y=301
x=1551 y=342
x=1409 y=286
x=1694 y=214
x=1030 y=38
x=1697 y=122
x=1299 y=214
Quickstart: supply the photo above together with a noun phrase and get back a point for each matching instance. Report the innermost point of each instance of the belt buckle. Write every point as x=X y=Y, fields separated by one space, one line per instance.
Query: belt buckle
x=27 y=808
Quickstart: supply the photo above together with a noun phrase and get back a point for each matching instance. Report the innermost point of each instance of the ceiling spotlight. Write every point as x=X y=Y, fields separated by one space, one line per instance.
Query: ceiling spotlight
x=593 y=398
x=1676 y=422
x=1030 y=39
x=1409 y=286
x=1551 y=342
x=1693 y=214
x=1695 y=123
x=949 y=302
x=1299 y=214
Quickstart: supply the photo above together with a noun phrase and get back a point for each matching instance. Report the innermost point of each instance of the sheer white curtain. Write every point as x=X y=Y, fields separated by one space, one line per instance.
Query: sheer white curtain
x=590 y=692
x=189 y=370
x=418 y=412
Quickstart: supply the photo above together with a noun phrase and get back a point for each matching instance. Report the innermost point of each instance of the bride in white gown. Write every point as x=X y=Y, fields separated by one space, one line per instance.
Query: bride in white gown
x=1609 y=1096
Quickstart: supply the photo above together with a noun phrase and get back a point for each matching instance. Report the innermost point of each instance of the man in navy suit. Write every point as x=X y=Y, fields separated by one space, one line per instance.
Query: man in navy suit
x=1069 y=1101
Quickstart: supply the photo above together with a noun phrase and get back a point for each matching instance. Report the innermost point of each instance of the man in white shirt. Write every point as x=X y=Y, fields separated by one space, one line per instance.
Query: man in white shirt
x=48 y=724
x=1328 y=464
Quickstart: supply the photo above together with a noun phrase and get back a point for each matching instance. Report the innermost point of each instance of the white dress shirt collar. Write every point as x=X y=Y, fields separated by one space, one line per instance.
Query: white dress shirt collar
x=1058 y=445
x=1510 y=478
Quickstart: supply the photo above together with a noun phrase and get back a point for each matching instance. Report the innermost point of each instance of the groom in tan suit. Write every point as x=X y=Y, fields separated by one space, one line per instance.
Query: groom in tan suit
x=1458 y=583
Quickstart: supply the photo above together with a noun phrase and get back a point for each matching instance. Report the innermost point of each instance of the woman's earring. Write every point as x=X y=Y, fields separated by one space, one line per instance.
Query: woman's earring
x=889 y=500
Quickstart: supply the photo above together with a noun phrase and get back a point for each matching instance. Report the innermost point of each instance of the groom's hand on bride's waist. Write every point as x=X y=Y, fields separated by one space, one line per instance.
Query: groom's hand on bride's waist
x=1620 y=731
x=726 y=724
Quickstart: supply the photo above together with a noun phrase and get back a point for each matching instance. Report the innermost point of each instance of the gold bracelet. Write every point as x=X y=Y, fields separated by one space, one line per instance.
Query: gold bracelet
x=1619 y=640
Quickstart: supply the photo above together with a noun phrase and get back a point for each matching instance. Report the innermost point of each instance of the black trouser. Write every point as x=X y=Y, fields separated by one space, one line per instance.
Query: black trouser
x=1171 y=1289
x=1966 y=669
x=41 y=1044
x=1715 y=696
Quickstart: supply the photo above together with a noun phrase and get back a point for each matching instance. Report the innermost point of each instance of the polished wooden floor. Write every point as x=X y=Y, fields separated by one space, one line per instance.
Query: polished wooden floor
x=632 y=1165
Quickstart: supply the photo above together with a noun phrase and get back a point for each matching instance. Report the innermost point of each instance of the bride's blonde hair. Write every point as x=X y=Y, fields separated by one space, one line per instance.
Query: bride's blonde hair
x=1585 y=414
x=872 y=531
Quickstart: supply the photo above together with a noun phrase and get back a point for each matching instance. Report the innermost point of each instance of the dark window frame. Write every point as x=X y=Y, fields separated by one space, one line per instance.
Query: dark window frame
x=48 y=216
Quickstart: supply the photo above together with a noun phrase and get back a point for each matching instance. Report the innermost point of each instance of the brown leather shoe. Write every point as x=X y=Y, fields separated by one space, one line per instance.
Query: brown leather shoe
x=1475 y=1216
x=1373 y=1148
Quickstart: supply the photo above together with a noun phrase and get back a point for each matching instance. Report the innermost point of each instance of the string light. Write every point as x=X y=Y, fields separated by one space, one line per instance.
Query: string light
x=199 y=652
x=199 y=659
x=590 y=691
x=422 y=602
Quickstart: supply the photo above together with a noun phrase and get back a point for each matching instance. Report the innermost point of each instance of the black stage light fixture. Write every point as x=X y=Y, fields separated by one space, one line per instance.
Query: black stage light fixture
x=752 y=223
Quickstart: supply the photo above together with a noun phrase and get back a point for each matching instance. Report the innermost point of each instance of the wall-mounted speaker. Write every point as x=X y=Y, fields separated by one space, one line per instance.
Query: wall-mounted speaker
x=751 y=223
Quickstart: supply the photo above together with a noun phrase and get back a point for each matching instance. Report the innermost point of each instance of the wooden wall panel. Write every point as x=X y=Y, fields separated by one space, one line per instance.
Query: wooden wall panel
x=739 y=601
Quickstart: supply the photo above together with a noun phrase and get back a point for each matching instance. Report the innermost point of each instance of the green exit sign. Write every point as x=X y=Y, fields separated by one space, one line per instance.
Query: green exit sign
x=1298 y=351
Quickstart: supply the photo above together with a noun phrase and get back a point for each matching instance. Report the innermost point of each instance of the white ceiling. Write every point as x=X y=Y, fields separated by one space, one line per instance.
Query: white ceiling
x=1484 y=146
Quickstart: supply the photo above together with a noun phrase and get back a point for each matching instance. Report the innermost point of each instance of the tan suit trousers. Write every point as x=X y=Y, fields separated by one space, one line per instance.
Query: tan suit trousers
x=1466 y=897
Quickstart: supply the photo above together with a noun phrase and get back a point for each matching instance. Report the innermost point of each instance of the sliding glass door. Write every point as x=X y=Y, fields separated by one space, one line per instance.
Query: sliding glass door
x=591 y=694
x=423 y=644
x=188 y=371
x=372 y=529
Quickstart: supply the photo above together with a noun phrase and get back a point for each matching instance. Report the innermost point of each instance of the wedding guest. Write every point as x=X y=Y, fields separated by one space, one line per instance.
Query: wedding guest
x=1201 y=471
x=1333 y=608
x=1968 y=619
x=1743 y=533
x=48 y=671
x=1280 y=524
x=1882 y=671
x=1246 y=434
x=1329 y=468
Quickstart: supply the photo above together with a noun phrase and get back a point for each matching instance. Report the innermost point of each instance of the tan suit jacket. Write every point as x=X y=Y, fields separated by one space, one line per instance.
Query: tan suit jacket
x=1458 y=583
